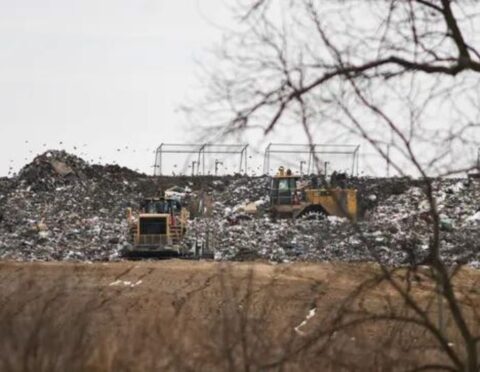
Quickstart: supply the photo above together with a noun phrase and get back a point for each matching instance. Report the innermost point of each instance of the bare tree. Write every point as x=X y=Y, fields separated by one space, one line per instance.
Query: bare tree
x=397 y=73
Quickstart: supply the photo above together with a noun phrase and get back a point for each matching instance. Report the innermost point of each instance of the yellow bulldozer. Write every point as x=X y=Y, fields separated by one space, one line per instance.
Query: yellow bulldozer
x=290 y=198
x=157 y=229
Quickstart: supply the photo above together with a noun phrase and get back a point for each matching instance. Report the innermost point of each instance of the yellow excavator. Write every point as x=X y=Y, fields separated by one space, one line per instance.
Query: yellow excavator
x=290 y=198
x=158 y=229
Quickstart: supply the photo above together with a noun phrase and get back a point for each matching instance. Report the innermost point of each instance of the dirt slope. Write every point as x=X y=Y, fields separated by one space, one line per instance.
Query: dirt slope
x=195 y=315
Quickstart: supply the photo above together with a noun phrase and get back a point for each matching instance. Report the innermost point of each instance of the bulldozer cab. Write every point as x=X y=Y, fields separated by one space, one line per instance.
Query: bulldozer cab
x=283 y=189
x=161 y=206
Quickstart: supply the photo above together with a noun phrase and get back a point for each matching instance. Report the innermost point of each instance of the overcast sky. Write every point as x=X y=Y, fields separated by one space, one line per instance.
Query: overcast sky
x=104 y=79
x=105 y=74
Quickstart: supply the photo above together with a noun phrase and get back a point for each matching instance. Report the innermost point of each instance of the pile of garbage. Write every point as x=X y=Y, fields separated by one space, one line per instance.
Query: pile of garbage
x=395 y=227
x=408 y=219
x=60 y=207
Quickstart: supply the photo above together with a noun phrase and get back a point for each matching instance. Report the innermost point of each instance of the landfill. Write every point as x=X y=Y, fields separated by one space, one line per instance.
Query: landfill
x=59 y=207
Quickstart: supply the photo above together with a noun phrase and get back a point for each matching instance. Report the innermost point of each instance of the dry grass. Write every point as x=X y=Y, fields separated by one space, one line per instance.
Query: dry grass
x=230 y=318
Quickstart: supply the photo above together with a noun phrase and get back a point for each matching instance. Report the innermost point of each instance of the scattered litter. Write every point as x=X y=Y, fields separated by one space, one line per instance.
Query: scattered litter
x=474 y=218
x=177 y=193
x=310 y=315
x=125 y=283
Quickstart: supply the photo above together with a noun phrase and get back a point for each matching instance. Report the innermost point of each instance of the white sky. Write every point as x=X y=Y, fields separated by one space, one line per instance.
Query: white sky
x=107 y=74
x=97 y=76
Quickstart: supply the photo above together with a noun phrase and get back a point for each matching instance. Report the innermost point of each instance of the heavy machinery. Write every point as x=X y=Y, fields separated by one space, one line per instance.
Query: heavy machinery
x=158 y=229
x=289 y=198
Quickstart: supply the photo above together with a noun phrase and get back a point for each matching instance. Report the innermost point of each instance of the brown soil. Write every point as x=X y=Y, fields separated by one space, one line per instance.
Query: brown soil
x=200 y=315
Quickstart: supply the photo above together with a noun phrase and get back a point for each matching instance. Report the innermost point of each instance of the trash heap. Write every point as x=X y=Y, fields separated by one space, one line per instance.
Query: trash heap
x=395 y=228
x=406 y=221
x=60 y=207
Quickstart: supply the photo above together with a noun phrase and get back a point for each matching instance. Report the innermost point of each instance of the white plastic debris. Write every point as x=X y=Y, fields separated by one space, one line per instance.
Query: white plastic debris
x=309 y=316
x=125 y=283
x=334 y=220
x=474 y=218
